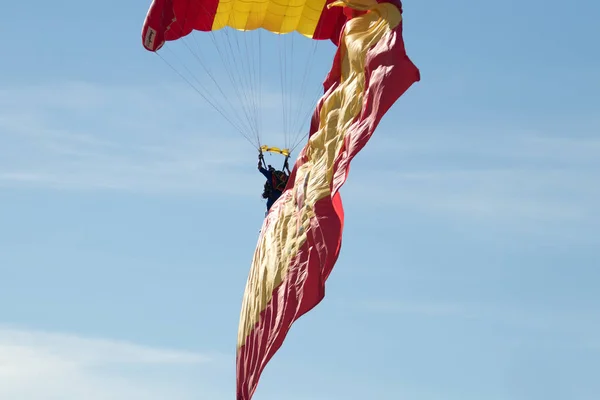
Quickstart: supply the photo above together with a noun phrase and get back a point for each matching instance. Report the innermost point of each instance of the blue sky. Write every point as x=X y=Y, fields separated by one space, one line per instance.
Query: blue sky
x=130 y=212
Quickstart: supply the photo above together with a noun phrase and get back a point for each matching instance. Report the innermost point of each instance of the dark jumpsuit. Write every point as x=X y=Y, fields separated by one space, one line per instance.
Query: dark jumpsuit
x=274 y=193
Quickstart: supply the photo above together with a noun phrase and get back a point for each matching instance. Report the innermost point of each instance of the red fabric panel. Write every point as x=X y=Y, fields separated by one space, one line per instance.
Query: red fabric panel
x=302 y=289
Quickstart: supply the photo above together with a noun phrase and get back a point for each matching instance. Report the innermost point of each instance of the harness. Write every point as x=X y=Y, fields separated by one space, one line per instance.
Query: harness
x=279 y=180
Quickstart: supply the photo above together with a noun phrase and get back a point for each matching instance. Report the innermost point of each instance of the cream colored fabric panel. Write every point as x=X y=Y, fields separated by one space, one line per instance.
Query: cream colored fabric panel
x=285 y=230
x=279 y=16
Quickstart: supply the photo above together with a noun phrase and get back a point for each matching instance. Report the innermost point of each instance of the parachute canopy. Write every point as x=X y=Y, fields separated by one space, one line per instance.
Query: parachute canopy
x=174 y=19
x=301 y=236
x=290 y=32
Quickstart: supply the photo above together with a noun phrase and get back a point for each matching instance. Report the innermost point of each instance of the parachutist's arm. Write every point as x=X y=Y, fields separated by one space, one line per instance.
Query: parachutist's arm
x=265 y=172
x=261 y=161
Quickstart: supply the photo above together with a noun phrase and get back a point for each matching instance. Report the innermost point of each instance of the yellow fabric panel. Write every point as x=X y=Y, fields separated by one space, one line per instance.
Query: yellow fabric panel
x=285 y=152
x=284 y=231
x=278 y=16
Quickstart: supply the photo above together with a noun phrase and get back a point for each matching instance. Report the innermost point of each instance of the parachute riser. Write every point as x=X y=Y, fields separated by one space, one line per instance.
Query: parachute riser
x=284 y=152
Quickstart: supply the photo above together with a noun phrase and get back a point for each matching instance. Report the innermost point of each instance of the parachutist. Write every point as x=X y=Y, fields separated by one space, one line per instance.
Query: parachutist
x=275 y=183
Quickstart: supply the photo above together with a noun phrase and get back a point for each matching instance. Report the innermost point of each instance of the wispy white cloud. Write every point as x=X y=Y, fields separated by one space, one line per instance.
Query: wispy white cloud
x=508 y=144
x=485 y=194
x=426 y=309
x=149 y=139
x=505 y=177
x=583 y=325
x=159 y=138
x=128 y=138
x=40 y=365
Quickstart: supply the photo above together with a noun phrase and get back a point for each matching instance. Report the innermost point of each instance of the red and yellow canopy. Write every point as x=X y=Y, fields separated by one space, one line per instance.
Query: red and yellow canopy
x=301 y=236
x=174 y=19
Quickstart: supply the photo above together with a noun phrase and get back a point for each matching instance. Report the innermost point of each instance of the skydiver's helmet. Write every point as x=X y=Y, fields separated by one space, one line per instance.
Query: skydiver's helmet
x=271 y=168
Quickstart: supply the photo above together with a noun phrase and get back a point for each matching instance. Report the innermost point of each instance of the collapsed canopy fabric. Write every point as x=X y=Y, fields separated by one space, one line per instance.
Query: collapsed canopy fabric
x=301 y=236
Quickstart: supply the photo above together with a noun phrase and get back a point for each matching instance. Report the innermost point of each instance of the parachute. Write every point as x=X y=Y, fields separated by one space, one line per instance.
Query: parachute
x=301 y=236
x=232 y=37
